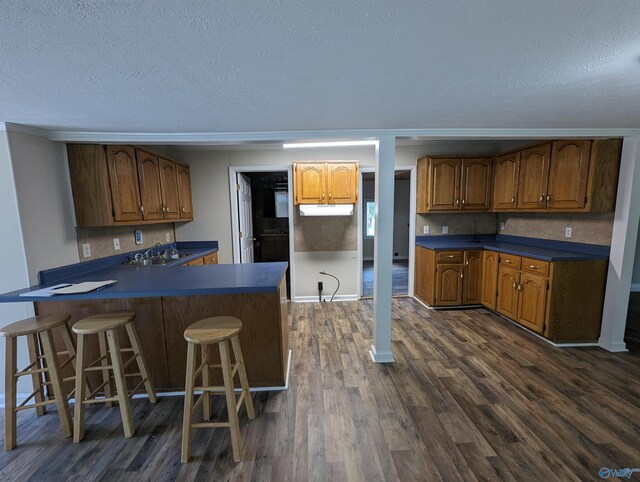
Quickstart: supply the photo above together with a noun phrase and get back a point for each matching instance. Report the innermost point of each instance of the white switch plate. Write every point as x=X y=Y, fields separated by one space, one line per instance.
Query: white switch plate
x=168 y=236
x=502 y=226
x=138 y=236
x=425 y=230
x=116 y=244
x=86 y=250
x=568 y=232
x=445 y=229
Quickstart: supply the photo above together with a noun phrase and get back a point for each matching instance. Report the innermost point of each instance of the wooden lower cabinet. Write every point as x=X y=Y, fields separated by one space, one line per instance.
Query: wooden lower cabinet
x=449 y=285
x=472 y=278
x=424 y=284
x=532 y=302
x=508 y=280
x=489 y=279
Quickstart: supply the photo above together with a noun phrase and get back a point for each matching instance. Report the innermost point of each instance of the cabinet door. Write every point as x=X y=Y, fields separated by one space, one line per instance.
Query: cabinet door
x=533 y=301
x=425 y=276
x=489 y=279
x=508 y=280
x=472 y=280
x=211 y=258
x=568 y=174
x=149 y=177
x=169 y=185
x=534 y=177
x=449 y=285
x=310 y=184
x=422 y=182
x=444 y=185
x=123 y=179
x=476 y=184
x=505 y=181
x=184 y=192
x=342 y=183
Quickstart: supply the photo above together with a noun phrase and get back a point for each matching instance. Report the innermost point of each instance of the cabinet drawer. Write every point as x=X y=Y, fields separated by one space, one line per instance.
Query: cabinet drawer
x=535 y=266
x=450 y=257
x=510 y=260
x=211 y=258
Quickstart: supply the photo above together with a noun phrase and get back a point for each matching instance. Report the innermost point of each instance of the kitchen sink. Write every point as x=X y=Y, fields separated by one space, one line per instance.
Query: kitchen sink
x=155 y=260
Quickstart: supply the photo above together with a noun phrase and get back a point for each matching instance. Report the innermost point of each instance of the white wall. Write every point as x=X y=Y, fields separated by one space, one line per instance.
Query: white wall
x=44 y=202
x=13 y=263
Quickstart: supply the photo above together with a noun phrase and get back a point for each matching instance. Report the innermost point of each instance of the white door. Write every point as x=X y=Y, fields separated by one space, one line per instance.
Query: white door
x=245 y=217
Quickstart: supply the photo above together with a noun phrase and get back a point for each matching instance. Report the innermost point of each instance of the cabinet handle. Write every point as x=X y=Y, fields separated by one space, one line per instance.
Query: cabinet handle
x=548 y=197
x=515 y=285
x=461 y=274
x=542 y=198
x=513 y=199
x=457 y=201
x=508 y=261
x=449 y=256
x=141 y=208
x=183 y=210
x=329 y=194
x=520 y=287
x=323 y=196
x=533 y=266
x=466 y=263
x=464 y=202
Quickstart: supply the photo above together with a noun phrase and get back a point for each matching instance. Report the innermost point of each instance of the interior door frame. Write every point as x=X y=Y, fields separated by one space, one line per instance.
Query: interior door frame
x=412 y=225
x=235 y=224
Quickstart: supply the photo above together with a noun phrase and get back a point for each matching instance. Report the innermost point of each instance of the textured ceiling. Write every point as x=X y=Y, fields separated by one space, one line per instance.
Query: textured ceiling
x=248 y=66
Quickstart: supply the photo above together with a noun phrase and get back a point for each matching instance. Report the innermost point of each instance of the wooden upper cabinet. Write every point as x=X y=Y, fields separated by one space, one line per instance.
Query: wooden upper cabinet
x=475 y=191
x=444 y=184
x=472 y=279
x=505 y=185
x=326 y=183
x=342 y=183
x=184 y=192
x=532 y=301
x=149 y=179
x=489 y=279
x=169 y=188
x=449 y=285
x=568 y=174
x=534 y=177
x=123 y=178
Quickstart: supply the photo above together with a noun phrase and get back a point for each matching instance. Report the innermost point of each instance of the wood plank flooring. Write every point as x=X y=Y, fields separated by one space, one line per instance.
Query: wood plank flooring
x=399 y=282
x=471 y=397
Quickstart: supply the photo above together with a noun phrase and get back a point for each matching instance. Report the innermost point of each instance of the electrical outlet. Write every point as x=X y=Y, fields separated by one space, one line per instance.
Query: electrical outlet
x=116 y=244
x=568 y=232
x=502 y=226
x=425 y=230
x=86 y=250
x=138 y=236
x=445 y=229
x=168 y=236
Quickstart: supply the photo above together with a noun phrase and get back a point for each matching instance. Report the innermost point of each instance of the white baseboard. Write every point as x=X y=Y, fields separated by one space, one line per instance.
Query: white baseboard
x=381 y=356
x=395 y=258
x=22 y=396
x=314 y=299
x=612 y=346
x=635 y=287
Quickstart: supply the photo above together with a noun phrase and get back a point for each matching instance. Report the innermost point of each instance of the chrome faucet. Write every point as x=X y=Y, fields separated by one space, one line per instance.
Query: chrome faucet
x=149 y=252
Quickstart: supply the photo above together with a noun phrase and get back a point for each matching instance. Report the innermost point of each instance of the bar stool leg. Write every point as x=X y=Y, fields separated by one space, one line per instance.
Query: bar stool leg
x=79 y=394
x=121 y=384
x=206 y=395
x=142 y=364
x=36 y=378
x=108 y=393
x=234 y=425
x=188 y=403
x=10 y=393
x=244 y=382
x=51 y=358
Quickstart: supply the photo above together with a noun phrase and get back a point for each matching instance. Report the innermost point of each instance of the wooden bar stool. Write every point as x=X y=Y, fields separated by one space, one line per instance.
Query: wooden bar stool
x=44 y=361
x=101 y=324
x=205 y=333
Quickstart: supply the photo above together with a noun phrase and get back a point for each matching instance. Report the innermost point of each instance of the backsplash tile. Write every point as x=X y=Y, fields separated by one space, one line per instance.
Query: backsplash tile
x=101 y=239
x=458 y=223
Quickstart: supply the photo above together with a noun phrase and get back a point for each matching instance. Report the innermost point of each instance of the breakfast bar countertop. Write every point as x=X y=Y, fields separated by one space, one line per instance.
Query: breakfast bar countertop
x=171 y=279
x=542 y=249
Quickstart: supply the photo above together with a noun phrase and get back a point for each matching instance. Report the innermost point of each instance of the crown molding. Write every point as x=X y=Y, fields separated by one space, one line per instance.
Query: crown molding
x=23 y=129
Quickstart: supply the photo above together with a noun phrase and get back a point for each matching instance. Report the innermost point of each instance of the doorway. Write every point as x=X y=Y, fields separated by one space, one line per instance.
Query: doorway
x=261 y=216
x=402 y=227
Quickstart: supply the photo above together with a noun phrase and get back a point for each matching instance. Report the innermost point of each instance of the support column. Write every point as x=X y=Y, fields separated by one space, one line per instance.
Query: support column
x=623 y=247
x=383 y=250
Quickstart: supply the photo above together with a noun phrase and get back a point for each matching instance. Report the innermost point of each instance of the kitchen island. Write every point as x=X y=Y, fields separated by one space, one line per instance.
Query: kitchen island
x=167 y=299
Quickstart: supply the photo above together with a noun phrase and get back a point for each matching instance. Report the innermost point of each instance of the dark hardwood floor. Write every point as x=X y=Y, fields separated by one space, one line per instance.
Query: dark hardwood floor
x=400 y=278
x=470 y=397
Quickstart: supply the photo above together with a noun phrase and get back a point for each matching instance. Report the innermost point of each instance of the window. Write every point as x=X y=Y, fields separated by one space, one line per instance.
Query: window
x=370 y=210
x=282 y=204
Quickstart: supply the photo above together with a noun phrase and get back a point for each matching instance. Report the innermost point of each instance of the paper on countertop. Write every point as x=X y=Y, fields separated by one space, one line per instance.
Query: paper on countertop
x=84 y=287
x=44 y=292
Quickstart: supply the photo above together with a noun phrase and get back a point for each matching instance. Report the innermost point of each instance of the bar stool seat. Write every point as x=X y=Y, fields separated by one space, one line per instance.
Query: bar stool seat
x=207 y=332
x=106 y=325
x=44 y=362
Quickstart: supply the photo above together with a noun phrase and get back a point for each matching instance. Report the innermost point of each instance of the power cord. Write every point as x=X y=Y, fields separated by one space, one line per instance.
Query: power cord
x=337 y=288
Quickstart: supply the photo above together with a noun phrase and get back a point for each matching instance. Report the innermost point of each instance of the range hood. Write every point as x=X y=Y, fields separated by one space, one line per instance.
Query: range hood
x=326 y=209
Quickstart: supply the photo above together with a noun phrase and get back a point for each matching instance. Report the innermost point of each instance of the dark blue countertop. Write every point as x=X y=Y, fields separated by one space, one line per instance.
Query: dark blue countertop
x=543 y=249
x=160 y=280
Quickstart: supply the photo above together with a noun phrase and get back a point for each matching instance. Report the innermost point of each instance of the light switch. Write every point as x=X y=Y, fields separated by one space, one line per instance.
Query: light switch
x=86 y=250
x=425 y=230
x=568 y=232
x=445 y=229
x=501 y=225
x=116 y=244
x=168 y=236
